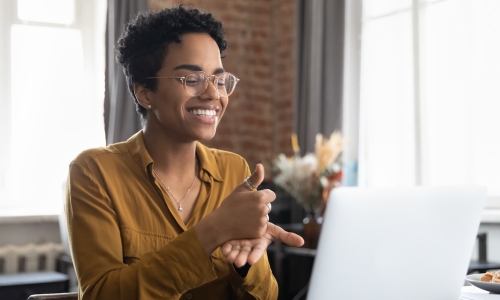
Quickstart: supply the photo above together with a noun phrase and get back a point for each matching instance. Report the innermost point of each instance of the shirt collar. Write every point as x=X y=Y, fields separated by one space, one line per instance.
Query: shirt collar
x=208 y=162
x=137 y=149
x=140 y=154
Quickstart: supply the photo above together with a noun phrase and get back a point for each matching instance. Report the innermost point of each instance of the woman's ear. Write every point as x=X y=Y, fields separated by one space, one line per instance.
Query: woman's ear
x=142 y=96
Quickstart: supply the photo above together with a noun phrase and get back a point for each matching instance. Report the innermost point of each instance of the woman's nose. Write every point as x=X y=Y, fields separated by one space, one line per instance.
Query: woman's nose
x=211 y=91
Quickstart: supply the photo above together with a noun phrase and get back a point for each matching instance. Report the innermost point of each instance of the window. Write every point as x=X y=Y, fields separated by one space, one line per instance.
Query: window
x=52 y=91
x=430 y=93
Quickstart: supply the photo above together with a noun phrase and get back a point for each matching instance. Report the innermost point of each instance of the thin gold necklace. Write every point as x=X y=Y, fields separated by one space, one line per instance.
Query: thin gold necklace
x=179 y=206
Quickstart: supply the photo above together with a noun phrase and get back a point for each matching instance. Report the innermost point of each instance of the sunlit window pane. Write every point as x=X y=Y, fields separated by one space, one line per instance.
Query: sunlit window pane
x=387 y=109
x=51 y=118
x=50 y=11
x=52 y=98
x=485 y=92
x=448 y=129
x=459 y=94
x=461 y=80
x=375 y=8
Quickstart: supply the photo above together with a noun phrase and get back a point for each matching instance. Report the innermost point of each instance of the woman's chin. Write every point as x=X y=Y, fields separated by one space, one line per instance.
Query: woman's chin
x=207 y=135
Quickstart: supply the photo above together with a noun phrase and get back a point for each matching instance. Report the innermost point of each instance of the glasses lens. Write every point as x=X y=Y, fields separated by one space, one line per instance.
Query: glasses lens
x=195 y=83
x=226 y=83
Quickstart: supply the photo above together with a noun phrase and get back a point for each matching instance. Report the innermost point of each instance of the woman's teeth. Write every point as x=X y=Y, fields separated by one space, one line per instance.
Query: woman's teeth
x=203 y=112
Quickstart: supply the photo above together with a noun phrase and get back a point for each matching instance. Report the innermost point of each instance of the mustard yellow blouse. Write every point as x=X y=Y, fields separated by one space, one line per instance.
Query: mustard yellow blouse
x=128 y=242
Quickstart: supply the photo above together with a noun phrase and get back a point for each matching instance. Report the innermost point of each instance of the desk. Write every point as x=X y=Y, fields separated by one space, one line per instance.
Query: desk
x=470 y=292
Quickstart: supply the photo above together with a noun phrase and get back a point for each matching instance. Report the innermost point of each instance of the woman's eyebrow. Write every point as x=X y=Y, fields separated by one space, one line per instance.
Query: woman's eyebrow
x=197 y=68
x=188 y=67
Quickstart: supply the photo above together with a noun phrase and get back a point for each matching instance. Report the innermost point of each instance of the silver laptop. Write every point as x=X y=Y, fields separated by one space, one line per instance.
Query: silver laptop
x=396 y=243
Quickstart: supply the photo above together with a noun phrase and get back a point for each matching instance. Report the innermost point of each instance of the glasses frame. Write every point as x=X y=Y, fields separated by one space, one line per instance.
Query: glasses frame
x=206 y=79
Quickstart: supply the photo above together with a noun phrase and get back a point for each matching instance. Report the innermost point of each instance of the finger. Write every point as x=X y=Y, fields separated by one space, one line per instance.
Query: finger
x=226 y=249
x=286 y=237
x=230 y=251
x=257 y=252
x=255 y=179
x=242 y=257
x=258 y=175
x=235 y=252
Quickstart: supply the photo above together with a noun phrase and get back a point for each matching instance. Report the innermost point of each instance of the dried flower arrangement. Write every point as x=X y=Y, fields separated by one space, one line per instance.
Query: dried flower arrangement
x=310 y=178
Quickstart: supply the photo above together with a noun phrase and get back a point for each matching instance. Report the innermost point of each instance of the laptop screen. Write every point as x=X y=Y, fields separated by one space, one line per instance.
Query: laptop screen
x=396 y=243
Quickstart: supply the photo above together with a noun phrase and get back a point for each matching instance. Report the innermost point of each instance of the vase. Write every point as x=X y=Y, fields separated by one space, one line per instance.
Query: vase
x=312 y=229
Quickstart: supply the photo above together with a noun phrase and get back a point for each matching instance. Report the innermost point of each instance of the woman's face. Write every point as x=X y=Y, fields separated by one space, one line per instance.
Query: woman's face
x=180 y=116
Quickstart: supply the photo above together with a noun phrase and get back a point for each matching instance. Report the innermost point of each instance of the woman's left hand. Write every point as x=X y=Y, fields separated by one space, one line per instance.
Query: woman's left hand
x=240 y=252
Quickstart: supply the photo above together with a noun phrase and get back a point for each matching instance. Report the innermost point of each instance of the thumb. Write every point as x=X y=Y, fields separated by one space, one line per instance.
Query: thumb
x=254 y=180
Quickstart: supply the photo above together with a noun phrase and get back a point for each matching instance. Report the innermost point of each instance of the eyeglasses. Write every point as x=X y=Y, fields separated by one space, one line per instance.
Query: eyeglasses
x=196 y=83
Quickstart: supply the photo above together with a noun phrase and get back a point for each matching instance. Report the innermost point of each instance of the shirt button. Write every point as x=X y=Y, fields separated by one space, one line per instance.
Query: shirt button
x=189 y=296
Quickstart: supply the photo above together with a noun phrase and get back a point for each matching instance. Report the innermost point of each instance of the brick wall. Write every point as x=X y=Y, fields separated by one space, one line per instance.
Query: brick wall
x=261 y=52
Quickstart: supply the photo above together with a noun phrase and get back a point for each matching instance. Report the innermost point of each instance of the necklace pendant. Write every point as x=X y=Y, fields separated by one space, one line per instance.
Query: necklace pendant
x=179 y=208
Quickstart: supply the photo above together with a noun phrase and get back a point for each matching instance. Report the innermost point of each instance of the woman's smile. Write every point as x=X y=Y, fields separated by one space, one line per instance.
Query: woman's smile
x=205 y=116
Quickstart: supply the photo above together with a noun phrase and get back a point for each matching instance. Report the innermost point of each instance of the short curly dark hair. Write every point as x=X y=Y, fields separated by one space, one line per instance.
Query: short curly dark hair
x=144 y=42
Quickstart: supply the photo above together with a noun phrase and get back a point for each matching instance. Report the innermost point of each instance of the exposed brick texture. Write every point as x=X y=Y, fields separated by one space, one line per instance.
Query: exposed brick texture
x=261 y=51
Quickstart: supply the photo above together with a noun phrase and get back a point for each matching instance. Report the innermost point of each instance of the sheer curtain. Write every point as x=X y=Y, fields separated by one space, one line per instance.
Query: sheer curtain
x=52 y=97
x=429 y=93
x=319 y=101
x=121 y=120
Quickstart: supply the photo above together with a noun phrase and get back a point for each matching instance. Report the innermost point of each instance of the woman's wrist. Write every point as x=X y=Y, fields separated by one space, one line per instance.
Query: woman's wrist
x=209 y=234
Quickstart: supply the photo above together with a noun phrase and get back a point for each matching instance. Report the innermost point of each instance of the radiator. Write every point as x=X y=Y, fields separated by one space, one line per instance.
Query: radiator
x=29 y=257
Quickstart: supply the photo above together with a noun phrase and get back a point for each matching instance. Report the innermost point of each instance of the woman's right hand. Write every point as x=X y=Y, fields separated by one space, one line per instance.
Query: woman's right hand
x=243 y=216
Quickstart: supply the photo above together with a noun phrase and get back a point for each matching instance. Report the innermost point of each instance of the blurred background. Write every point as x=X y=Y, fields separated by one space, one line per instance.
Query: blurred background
x=413 y=85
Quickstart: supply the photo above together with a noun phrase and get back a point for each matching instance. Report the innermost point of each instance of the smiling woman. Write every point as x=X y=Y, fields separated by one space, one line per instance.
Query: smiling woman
x=177 y=219
x=51 y=97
